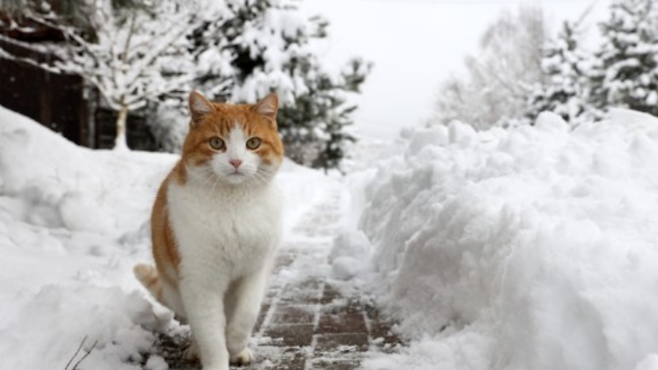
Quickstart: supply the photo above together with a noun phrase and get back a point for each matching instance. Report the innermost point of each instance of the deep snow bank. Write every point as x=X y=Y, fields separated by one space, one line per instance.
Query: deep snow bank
x=534 y=248
x=73 y=222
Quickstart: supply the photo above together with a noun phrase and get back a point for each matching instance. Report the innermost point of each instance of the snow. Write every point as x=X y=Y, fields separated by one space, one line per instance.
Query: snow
x=347 y=254
x=527 y=248
x=156 y=363
x=649 y=363
x=73 y=222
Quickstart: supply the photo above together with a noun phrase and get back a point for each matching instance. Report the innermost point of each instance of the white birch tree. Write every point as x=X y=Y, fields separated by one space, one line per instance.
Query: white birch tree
x=495 y=88
x=131 y=55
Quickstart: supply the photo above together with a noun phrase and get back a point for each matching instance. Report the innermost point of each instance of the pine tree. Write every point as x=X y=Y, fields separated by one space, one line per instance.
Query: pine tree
x=628 y=72
x=565 y=65
x=316 y=128
x=271 y=44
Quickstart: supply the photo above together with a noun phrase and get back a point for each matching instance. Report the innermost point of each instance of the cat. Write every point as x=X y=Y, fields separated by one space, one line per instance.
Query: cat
x=216 y=225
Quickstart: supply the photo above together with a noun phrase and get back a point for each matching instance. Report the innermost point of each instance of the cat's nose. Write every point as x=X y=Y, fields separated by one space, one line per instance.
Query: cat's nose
x=235 y=163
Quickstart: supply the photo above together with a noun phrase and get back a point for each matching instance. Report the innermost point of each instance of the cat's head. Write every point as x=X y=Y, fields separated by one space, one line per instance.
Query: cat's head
x=233 y=144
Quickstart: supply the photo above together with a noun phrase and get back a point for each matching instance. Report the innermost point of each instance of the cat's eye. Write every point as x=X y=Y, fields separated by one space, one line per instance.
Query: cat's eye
x=253 y=143
x=216 y=143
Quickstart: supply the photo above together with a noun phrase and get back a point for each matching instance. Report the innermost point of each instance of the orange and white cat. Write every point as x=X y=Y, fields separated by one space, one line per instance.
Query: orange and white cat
x=216 y=224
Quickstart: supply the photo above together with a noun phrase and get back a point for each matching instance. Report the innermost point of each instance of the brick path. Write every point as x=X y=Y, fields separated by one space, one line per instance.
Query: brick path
x=305 y=323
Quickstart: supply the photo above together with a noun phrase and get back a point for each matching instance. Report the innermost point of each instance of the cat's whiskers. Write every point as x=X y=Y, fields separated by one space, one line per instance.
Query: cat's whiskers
x=217 y=179
x=259 y=177
x=263 y=175
x=206 y=176
x=209 y=178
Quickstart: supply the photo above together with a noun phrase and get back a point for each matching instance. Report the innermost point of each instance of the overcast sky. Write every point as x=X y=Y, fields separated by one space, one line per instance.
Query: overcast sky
x=415 y=44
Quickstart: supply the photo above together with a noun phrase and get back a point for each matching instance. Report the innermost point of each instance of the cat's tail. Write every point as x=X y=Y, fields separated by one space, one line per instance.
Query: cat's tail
x=162 y=292
x=149 y=277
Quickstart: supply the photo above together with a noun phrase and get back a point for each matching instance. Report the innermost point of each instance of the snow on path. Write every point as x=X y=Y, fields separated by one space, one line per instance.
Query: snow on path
x=317 y=326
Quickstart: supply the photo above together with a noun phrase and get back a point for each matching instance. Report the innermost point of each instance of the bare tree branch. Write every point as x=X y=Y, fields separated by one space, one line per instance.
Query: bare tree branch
x=4 y=54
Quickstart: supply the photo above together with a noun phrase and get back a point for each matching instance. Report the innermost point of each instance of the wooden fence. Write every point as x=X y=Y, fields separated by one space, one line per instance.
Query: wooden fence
x=60 y=102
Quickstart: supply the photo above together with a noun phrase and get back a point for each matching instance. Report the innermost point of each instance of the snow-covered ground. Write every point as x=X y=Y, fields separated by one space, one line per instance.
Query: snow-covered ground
x=73 y=222
x=533 y=248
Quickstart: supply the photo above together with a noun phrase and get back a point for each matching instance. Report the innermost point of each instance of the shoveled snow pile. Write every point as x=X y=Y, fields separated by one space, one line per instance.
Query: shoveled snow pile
x=533 y=248
x=73 y=222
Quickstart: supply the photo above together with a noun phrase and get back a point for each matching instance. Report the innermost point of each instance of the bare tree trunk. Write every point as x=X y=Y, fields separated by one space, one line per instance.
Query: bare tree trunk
x=120 y=141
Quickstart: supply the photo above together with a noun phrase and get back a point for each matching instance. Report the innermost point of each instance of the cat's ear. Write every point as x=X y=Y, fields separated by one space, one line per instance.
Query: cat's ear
x=199 y=106
x=268 y=107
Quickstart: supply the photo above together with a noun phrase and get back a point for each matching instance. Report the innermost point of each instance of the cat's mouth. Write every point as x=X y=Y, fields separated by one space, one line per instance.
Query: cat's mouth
x=236 y=177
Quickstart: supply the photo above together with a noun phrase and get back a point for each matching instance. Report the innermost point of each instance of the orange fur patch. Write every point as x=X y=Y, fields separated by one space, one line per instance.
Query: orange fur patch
x=165 y=251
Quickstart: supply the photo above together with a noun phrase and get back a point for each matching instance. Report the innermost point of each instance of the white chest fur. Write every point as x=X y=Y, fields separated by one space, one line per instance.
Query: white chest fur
x=226 y=231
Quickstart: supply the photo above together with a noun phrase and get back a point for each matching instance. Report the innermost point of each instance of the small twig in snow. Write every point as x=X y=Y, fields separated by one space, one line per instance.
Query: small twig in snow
x=76 y=353
x=87 y=353
x=85 y=356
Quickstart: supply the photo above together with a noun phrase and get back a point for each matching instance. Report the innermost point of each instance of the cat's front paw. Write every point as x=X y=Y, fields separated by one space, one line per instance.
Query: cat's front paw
x=245 y=357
